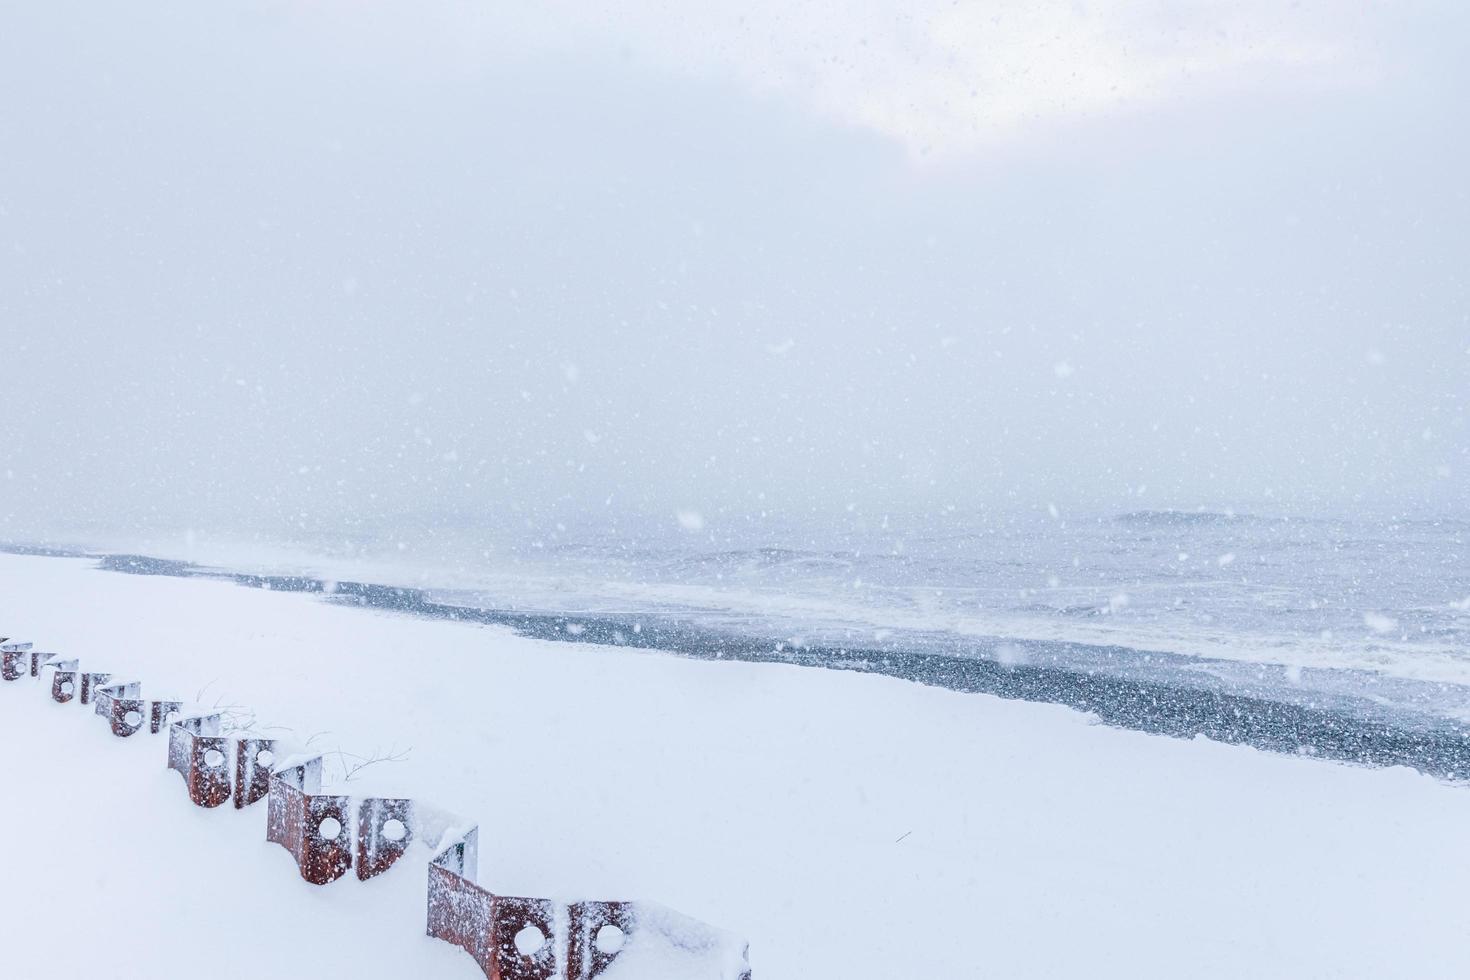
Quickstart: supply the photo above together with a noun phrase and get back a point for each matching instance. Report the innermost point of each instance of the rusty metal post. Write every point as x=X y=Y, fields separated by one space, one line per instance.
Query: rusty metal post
x=91 y=680
x=297 y=820
x=120 y=705
x=196 y=751
x=13 y=664
x=377 y=847
x=14 y=658
x=589 y=949
x=63 y=680
x=159 y=712
x=487 y=925
x=508 y=917
x=459 y=911
x=38 y=658
x=254 y=758
x=103 y=697
x=127 y=711
x=127 y=716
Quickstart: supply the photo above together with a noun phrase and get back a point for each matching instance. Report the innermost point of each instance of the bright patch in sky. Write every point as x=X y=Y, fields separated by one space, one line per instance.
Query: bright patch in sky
x=944 y=77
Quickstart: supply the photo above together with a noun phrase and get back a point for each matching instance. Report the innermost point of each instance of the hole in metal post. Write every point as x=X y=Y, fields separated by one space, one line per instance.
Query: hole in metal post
x=529 y=940
x=610 y=939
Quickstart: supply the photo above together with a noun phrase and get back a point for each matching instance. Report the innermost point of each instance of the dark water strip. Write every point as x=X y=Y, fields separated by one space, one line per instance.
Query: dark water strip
x=1355 y=732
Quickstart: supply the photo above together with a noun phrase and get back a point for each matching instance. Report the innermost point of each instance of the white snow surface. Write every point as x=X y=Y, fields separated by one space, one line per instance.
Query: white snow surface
x=850 y=826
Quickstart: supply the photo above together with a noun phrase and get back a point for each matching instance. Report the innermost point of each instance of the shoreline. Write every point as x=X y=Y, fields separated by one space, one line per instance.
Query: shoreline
x=1351 y=730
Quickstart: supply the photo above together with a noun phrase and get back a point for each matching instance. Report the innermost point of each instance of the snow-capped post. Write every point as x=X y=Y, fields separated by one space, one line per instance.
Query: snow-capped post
x=254 y=758
x=109 y=693
x=511 y=938
x=63 y=679
x=38 y=658
x=159 y=713
x=70 y=682
x=313 y=827
x=120 y=705
x=196 y=751
x=384 y=831
x=598 y=932
x=127 y=711
x=91 y=680
x=13 y=660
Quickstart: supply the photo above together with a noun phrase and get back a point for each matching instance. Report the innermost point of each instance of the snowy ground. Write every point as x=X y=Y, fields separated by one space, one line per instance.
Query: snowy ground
x=850 y=826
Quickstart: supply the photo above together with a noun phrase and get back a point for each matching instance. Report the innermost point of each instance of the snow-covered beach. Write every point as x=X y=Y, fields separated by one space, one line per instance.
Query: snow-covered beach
x=847 y=825
x=734 y=491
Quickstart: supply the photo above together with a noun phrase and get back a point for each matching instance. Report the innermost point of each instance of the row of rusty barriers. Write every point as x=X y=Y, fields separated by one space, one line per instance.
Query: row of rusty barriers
x=511 y=938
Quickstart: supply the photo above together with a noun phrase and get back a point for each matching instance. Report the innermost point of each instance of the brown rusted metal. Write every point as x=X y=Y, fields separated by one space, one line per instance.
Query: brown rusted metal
x=580 y=941
x=103 y=697
x=484 y=924
x=199 y=753
x=509 y=916
x=590 y=948
x=384 y=831
x=460 y=911
x=63 y=680
x=90 y=681
x=127 y=716
x=488 y=926
x=13 y=662
x=37 y=659
x=127 y=712
x=119 y=704
x=254 y=758
x=14 y=659
x=297 y=820
x=159 y=713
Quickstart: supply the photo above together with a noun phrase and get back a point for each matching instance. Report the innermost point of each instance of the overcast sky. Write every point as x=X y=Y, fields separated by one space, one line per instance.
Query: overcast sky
x=276 y=264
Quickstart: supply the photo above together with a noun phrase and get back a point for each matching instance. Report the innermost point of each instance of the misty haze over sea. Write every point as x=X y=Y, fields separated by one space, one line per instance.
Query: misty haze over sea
x=844 y=328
